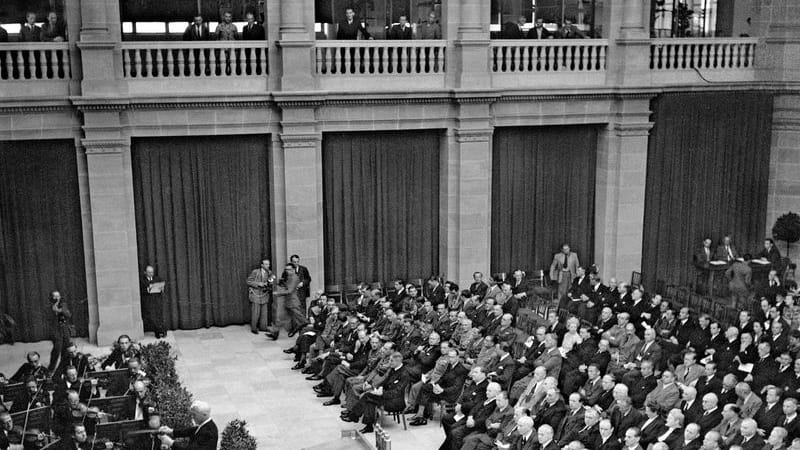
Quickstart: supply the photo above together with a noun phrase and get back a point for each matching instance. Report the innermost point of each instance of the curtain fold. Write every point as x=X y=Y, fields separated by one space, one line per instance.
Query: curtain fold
x=543 y=188
x=381 y=202
x=203 y=221
x=707 y=175
x=41 y=235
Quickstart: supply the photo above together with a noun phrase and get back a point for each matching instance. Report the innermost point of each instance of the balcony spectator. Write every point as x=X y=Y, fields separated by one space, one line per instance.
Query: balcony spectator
x=3 y=35
x=430 y=29
x=570 y=31
x=30 y=32
x=402 y=30
x=197 y=30
x=512 y=30
x=53 y=30
x=349 y=29
x=539 y=31
x=226 y=30
x=253 y=31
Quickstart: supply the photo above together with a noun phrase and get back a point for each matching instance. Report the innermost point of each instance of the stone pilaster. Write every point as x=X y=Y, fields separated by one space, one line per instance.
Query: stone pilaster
x=784 y=165
x=101 y=58
x=297 y=45
x=472 y=46
x=628 y=44
x=620 y=190
x=113 y=287
x=778 y=21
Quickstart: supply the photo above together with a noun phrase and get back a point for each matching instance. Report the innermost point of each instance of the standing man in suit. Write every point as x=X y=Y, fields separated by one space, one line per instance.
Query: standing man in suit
x=304 y=287
x=259 y=286
x=429 y=29
x=202 y=436
x=350 y=28
x=30 y=32
x=564 y=269
x=513 y=30
x=740 y=276
x=253 y=31
x=53 y=30
x=726 y=251
x=401 y=31
x=570 y=31
x=289 y=310
x=705 y=254
x=151 y=302
x=197 y=30
x=539 y=31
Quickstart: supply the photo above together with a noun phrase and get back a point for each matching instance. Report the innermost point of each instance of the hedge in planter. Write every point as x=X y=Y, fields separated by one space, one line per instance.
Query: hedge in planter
x=172 y=398
x=236 y=437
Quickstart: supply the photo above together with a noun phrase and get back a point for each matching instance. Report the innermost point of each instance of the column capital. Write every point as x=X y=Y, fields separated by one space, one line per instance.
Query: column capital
x=631 y=129
x=474 y=135
x=104 y=146
x=301 y=140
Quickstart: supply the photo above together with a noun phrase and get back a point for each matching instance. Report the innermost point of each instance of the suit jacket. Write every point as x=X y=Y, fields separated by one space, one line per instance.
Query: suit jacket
x=32 y=34
x=695 y=372
x=472 y=395
x=452 y=382
x=481 y=413
x=793 y=427
x=709 y=421
x=667 y=396
x=592 y=391
x=203 y=437
x=755 y=443
x=399 y=33
x=702 y=258
x=652 y=353
x=570 y=425
x=530 y=444
x=302 y=273
x=557 y=269
x=551 y=360
x=694 y=444
x=349 y=31
x=48 y=33
x=651 y=431
x=288 y=289
x=612 y=443
x=684 y=331
x=550 y=414
x=749 y=406
x=768 y=418
x=722 y=255
x=672 y=439
x=545 y=34
x=640 y=389
x=704 y=385
x=621 y=422
x=253 y=32
x=728 y=430
x=192 y=33
x=692 y=412
x=394 y=389
x=512 y=30
x=3 y=38
x=763 y=373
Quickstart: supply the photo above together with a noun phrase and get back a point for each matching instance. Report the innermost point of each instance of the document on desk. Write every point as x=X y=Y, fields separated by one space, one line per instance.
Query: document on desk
x=746 y=367
x=717 y=263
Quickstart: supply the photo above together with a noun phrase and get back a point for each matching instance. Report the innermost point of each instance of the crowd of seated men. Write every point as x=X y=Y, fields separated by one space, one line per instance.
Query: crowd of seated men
x=618 y=368
x=69 y=393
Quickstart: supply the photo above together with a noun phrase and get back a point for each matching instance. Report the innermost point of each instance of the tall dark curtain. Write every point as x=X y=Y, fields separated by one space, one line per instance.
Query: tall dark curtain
x=381 y=206
x=543 y=185
x=202 y=219
x=41 y=237
x=707 y=175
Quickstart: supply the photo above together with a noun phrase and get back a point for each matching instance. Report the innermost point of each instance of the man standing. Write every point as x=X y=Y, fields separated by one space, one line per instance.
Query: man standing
x=740 y=275
x=253 y=31
x=202 y=436
x=304 y=287
x=226 y=30
x=429 y=29
x=53 y=30
x=30 y=32
x=539 y=31
x=350 y=28
x=291 y=315
x=62 y=329
x=197 y=30
x=402 y=30
x=259 y=285
x=151 y=302
x=564 y=269
x=512 y=30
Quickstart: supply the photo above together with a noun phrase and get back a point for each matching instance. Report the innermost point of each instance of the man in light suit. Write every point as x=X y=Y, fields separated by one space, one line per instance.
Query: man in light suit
x=666 y=393
x=726 y=251
x=289 y=311
x=689 y=372
x=564 y=269
x=748 y=402
x=259 y=285
x=740 y=277
x=551 y=358
x=731 y=422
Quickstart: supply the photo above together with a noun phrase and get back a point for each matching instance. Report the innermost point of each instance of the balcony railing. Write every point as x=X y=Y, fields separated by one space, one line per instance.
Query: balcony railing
x=420 y=63
x=34 y=69
x=549 y=62
x=682 y=60
x=210 y=66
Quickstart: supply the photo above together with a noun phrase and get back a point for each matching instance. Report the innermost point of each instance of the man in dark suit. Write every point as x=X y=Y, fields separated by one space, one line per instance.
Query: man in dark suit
x=474 y=420
x=513 y=30
x=570 y=31
x=197 y=30
x=606 y=438
x=771 y=254
x=350 y=28
x=691 y=407
x=770 y=413
x=691 y=438
x=712 y=414
x=705 y=254
x=526 y=440
x=253 y=31
x=539 y=31
x=709 y=381
x=76 y=439
x=151 y=302
x=202 y=436
x=29 y=31
x=748 y=438
x=3 y=36
x=726 y=251
x=624 y=416
x=390 y=394
x=304 y=287
x=790 y=419
x=401 y=31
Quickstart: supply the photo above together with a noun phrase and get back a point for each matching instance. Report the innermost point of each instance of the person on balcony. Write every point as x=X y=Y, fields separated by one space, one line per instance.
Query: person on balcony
x=430 y=29
x=570 y=31
x=30 y=32
x=53 y=30
x=402 y=30
x=539 y=31
x=512 y=30
x=3 y=36
x=349 y=29
x=226 y=30
x=197 y=30
x=253 y=31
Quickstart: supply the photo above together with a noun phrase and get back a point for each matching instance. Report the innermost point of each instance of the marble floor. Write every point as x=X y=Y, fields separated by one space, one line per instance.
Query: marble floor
x=247 y=376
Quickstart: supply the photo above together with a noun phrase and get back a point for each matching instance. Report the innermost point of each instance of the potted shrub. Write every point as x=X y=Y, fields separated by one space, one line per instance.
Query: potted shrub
x=236 y=437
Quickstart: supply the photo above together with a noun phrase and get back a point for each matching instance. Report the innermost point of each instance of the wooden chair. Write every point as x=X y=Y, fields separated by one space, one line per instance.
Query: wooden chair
x=334 y=291
x=636 y=278
x=398 y=416
x=379 y=286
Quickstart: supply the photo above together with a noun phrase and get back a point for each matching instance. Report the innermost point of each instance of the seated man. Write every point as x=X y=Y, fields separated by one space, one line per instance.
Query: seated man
x=70 y=382
x=390 y=394
x=123 y=351
x=431 y=388
x=123 y=384
x=31 y=369
x=34 y=396
x=424 y=358
x=75 y=438
x=75 y=359
x=66 y=413
x=145 y=404
x=372 y=375
x=464 y=423
x=498 y=420
x=351 y=365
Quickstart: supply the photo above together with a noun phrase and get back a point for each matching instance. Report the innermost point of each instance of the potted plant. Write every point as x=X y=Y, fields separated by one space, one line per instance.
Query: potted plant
x=237 y=437
x=787 y=229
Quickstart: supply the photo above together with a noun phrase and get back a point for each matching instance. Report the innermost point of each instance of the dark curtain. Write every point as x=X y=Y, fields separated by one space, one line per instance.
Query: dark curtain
x=707 y=175
x=202 y=219
x=381 y=202
x=41 y=236
x=543 y=184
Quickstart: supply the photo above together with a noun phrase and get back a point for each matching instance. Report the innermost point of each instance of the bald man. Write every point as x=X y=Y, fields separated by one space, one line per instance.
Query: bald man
x=202 y=436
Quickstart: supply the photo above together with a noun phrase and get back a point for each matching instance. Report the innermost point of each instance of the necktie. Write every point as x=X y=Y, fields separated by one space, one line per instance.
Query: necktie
x=730 y=255
x=565 y=261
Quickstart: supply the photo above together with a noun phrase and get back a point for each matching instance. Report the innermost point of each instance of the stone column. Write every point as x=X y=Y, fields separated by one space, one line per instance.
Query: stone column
x=778 y=21
x=297 y=45
x=72 y=14
x=628 y=60
x=116 y=308
x=784 y=165
x=472 y=46
x=300 y=154
x=620 y=190
x=101 y=58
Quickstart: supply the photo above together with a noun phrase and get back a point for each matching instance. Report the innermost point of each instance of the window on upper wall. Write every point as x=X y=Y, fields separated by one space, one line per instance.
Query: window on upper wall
x=566 y=19
x=696 y=18
x=377 y=17
x=159 y=20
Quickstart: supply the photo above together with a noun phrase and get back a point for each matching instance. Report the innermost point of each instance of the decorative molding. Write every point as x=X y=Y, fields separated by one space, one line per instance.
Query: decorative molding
x=480 y=135
x=301 y=140
x=104 y=146
x=202 y=105
x=299 y=103
x=28 y=109
x=387 y=101
x=631 y=129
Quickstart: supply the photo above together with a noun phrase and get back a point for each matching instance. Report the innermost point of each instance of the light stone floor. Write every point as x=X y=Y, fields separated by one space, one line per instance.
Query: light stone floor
x=247 y=376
